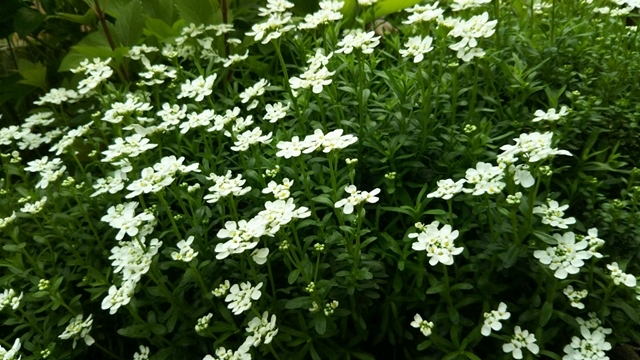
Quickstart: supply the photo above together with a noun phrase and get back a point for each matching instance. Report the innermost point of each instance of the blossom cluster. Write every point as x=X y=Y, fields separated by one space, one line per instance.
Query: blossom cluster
x=329 y=141
x=438 y=243
x=567 y=257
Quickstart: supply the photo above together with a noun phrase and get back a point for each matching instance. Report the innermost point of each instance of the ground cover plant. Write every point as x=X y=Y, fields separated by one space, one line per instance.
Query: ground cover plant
x=242 y=180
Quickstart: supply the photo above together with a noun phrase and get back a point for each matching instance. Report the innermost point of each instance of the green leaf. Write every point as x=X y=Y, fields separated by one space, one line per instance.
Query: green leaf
x=160 y=9
x=33 y=74
x=630 y=311
x=89 y=18
x=386 y=7
x=299 y=302
x=323 y=199
x=130 y=23
x=462 y=286
x=545 y=313
x=321 y=325
x=293 y=276
x=159 y=29
x=27 y=21
x=362 y=356
x=135 y=331
x=424 y=345
x=199 y=12
x=545 y=237
x=436 y=289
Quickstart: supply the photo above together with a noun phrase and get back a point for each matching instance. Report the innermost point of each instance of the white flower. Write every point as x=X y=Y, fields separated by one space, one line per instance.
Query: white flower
x=566 y=258
x=416 y=47
x=10 y=298
x=118 y=297
x=356 y=197
x=329 y=12
x=261 y=330
x=620 y=277
x=224 y=354
x=11 y=354
x=521 y=339
x=35 y=207
x=594 y=242
x=358 y=39
x=532 y=147
x=552 y=214
x=260 y=256
x=438 y=243
x=423 y=13
x=226 y=185
x=240 y=297
x=222 y=290
x=203 y=322
x=459 y=5
x=143 y=354
x=424 y=325
x=486 y=179
x=275 y=26
x=492 y=319
x=186 y=253
x=275 y=112
x=470 y=31
x=132 y=260
x=592 y=346
x=8 y=220
x=198 y=88
x=550 y=115
x=575 y=296
x=253 y=91
x=447 y=188
x=78 y=330
x=58 y=96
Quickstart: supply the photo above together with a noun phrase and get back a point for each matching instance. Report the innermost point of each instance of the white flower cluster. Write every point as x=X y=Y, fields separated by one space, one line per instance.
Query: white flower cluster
x=198 y=88
x=224 y=354
x=470 y=31
x=222 y=289
x=225 y=185
x=49 y=171
x=492 y=319
x=244 y=234
x=277 y=23
x=120 y=110
x=203 y=322
x=316 y=76
x=592 y=345
x=620 y=277
x=575 y=296
x=438 y=243
x=123 y=217
x=78 y=330
x=486 y=178
x=521 y=339
x=424 y=325
x=69 y=137
x=550 y=115
x=329 y=141
x=260 y=255
x=196 y=120
x=156 y=178
x=156 y=73
x=186 y=253
x=58 y=96
x=275 y=112
x=240 y=297
x=10 y=298
x=459 y=5
x=11 y=354
x=262 y=331
x=96 y=72
x=143 y=354
x=355 y=198
x=423 y=13
x=533 y=147
x=171 y=116
x=138 y=52
x=553 y=214
x=8 y=220
x=329 y=12
x=280 y=191
x=132 y=260
x=417 y=47
x=594 y=242
x=129 y=147
x=34 y=207
x=566 y=257
x=447 y=188
x=250 y=137
x=250 y=92
x=358 y=39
